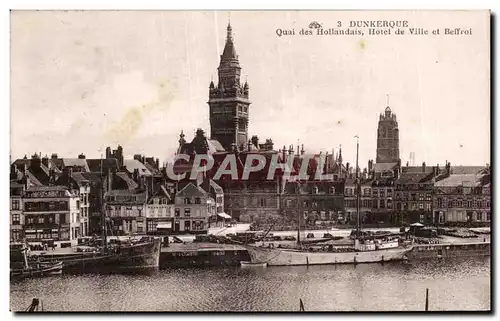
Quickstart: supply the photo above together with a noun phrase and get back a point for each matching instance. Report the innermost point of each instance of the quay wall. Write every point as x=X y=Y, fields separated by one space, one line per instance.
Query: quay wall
x=429 y=251
x=183 y=257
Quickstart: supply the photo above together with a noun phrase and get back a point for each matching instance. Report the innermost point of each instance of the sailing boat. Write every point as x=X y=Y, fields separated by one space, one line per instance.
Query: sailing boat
x=365 y=250
x=132 y=255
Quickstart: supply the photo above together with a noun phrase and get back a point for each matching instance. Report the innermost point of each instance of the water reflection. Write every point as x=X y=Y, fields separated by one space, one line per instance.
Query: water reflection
x=458 y=284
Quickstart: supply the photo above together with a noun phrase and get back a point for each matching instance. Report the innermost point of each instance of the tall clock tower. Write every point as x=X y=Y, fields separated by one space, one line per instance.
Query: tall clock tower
x=228 y=101
x=387 y=138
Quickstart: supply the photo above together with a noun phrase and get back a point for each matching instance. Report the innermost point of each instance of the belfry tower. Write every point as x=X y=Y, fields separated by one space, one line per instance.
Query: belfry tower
x=228 y=101
x=387 y=138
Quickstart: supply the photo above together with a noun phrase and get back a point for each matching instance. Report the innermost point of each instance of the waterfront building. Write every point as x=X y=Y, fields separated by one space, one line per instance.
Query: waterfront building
x=463 y=197
x=16 y=211
x=159 y=211
x=414 y=192
x=125 y=210
x=350 y=199
x=51 y=212
x=192 y=209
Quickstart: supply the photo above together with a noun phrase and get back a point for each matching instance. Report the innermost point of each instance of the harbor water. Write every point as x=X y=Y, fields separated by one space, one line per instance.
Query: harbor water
x=453 y=283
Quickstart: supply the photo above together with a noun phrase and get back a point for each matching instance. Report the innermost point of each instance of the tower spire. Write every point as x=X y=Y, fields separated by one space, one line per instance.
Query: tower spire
x=387 y=100
x=229 y=29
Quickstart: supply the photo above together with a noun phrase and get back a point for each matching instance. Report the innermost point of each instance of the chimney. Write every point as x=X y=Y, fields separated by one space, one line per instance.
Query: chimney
x=435 y=171
x=143 y=159
x=135 y=176
x=423 y=167
x=157 y=163
x=27 y=181
x=53 y=156
x=110 y=180
x=81 y=156
x=302 y=150
x=448 y=168
x=45 y=161
x=138 y=157
x=347 y=167
x=249 y=145
x=284 y=151
x=396 y=172
x=370 y=165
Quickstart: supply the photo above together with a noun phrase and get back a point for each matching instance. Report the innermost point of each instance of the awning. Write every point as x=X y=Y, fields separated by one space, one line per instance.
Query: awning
x=164 y=225
x=224 y=215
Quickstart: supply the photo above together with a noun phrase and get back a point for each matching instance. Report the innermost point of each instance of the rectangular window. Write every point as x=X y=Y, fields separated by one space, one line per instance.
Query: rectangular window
x=16 y=219
x=177 y=212
x=15 y=204
x=187 y=200
x=41 y=220
x=187 y=212
x=469 y=204
x=421 y=206
x=16 y=235
x=151 y=226
x=197 y=200
x=488 y=216
x=31 y=220
x=187 y=225
x=62 y=218
x=427 y=207
x=262 y=203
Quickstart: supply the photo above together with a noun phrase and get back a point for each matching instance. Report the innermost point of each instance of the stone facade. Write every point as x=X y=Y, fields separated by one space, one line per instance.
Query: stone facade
x=387 y=138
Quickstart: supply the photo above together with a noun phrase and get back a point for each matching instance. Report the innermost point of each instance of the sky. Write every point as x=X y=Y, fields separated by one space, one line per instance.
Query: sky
x=85 y=80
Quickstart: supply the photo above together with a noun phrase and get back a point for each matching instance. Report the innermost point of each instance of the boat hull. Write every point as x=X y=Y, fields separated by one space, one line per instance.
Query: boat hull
x=135 y=258
x=250 y=264
x=281 y=257
x=41 y=270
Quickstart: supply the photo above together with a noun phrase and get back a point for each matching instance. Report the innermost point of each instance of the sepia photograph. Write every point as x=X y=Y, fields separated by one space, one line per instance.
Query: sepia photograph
x=250 y=161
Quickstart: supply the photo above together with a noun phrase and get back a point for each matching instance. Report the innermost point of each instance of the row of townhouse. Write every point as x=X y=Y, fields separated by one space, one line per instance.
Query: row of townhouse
x=423 y=194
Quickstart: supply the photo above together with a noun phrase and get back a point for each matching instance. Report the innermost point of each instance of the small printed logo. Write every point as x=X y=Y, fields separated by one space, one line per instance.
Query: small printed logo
x=314 y=25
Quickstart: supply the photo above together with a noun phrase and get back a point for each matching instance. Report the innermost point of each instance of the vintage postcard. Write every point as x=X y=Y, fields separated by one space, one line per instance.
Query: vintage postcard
x=250 y=161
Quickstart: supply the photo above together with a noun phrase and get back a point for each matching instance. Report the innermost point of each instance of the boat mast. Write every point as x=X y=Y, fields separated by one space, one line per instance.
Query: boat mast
x=298 y=212
x=358 y=188
x=103 y=212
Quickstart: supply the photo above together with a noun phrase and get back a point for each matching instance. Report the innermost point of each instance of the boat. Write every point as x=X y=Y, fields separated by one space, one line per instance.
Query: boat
x=22 y=267
x=133 y=254
x=366 y=249
x=250 y=264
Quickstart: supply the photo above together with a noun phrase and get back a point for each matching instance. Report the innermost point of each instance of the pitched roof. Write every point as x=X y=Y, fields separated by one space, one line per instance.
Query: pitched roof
x=47 y=188
x=466 y=169
x=131 y=184
x=132 y=164
x=191 y=190
x=107 y=164
x=75 y=162
x=417 y=169
x=413 y=178
x=384 y=167
x=33 y=179
x=459 y=180
x=215 y=146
